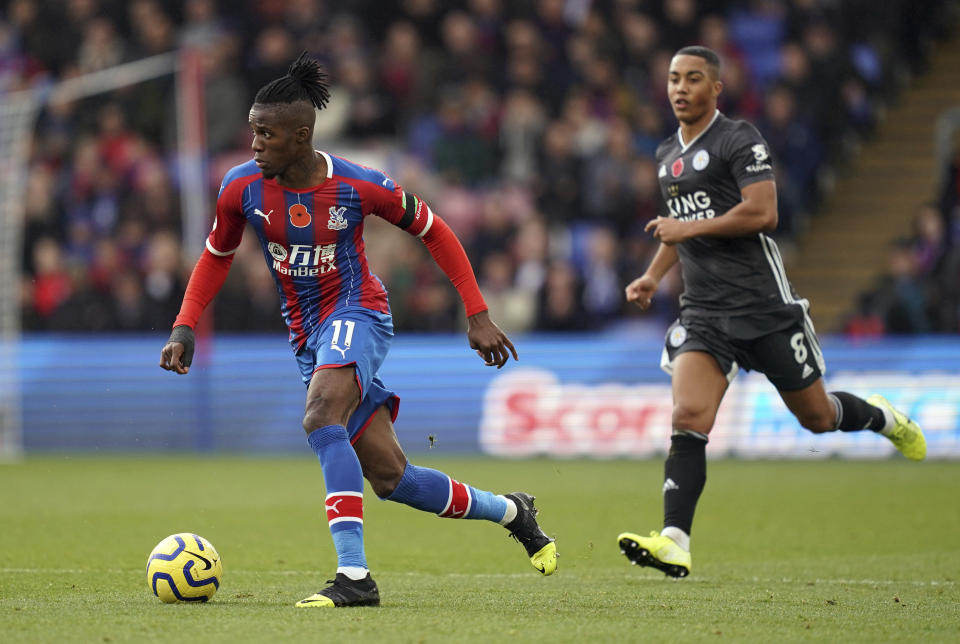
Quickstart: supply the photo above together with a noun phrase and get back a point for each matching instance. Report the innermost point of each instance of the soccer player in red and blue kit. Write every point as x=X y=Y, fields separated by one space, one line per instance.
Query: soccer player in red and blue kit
x=307 y=209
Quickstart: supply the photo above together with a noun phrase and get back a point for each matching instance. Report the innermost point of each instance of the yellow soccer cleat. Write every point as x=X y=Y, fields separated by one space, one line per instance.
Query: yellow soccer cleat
x=545 y=559
x=524 y=528
x=315 y=600
x=657 y=552
x=344 y=591
x=906 y=434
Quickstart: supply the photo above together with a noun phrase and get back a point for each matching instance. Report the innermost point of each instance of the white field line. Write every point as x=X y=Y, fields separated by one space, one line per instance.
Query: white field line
x=456 y=575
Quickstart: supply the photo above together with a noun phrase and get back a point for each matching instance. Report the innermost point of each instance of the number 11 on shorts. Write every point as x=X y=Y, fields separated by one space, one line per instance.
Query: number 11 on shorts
x=348 y=337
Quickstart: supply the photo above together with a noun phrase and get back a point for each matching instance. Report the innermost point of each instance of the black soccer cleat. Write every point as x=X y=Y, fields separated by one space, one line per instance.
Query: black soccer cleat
x=524 y=528
x=344 y=591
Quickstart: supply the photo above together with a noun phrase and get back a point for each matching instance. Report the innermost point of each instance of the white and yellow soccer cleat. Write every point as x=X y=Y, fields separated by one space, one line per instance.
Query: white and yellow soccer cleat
x=906 y=434
x=655 y=551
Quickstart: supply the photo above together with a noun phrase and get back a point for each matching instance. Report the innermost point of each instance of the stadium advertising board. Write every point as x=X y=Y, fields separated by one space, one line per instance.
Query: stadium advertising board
x=574 y=395
x=531 y=412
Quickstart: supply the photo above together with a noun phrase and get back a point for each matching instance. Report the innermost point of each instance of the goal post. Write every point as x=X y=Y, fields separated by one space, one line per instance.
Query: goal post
x=18 y=117
x=18 y=112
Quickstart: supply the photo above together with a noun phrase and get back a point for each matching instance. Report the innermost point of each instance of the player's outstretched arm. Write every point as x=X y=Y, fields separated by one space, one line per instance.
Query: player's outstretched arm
x=177 y=353
x=640 y=291
x=208 y=276
x=490 y=343
x=408 y=212
x=756 y=213
x=485 y=337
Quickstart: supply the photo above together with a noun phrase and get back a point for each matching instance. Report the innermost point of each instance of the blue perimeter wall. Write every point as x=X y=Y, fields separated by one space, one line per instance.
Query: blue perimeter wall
x=570 y=395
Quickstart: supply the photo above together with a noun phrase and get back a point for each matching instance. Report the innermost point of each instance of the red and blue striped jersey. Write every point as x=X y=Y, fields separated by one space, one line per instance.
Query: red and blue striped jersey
x=312 y=239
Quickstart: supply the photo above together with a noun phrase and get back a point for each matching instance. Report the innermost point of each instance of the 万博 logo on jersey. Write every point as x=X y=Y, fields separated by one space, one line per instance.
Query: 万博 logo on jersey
x=299 y=216
x=677 y=168
x=277 y=251
x=337 y=221
x=303 y=260
x=701 y=160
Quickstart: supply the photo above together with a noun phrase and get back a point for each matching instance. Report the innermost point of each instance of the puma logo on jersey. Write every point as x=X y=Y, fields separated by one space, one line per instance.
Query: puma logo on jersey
x=332 y=507
x=259 y=213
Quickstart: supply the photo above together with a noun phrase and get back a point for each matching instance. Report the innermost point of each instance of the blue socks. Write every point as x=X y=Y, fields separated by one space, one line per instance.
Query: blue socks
x=344 y=503
x=432 y=491
x=420 y=487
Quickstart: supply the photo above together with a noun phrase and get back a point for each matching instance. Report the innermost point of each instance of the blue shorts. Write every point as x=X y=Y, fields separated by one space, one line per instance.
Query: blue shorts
x=355 y=337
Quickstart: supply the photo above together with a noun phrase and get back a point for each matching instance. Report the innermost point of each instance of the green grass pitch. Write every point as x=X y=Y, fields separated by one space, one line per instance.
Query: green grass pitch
x=829 y=551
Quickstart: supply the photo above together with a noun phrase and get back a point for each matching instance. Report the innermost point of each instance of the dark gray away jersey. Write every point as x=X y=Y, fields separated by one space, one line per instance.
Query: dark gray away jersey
x=702 y=180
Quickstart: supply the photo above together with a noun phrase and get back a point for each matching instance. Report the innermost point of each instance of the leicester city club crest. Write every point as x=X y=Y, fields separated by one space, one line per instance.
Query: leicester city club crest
x=700 y=160
x=678 y=335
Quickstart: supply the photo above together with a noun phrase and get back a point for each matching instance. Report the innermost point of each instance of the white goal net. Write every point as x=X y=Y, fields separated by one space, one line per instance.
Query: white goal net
x=18 y=117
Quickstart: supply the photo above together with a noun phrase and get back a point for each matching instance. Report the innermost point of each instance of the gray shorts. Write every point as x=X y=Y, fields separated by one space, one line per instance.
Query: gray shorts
x=780 y=344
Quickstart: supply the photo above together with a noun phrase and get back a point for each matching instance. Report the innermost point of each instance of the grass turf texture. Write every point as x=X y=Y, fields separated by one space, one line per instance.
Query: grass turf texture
x=792 y=551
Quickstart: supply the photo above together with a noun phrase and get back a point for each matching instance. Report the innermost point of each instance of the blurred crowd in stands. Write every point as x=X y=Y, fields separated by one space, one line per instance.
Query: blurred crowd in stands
x=920 y=290
x=529 y=125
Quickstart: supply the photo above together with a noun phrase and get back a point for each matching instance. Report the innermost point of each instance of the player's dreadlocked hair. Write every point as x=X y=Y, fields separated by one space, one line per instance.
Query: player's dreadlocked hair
x=305 y=81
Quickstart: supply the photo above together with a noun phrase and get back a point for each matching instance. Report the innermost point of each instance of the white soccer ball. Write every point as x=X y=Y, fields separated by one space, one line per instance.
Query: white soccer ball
x=184 y=567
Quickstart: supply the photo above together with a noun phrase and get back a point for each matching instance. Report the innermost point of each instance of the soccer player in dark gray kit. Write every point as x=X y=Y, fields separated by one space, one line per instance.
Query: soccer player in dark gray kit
x=737 y=310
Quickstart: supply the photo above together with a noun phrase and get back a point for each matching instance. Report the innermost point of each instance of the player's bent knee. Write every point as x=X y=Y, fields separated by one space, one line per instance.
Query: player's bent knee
x=321 y=412
x=818 y=423
x=313 y=422
x=383 y=488
x=383 y=478
x=698 y=419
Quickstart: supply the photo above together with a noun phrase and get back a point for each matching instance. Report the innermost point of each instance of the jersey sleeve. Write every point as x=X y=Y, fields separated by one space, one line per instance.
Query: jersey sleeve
x=211 y=269
x=207 y=278
x=749 y=155
x=403 y=209
x=224 y=238
x=407 y=211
